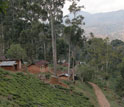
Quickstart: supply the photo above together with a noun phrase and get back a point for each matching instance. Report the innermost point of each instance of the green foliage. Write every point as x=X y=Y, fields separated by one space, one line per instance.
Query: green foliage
x=87 y=90
x=121 y=68
x=120 y=88
x=3 y=6
x=116 y=43
x=18 y=89
x=62 y=49
x=61 y=68
x=112 y=88
x=28 y=32
x=47 y=75
x=16 y=52
x=85 y=72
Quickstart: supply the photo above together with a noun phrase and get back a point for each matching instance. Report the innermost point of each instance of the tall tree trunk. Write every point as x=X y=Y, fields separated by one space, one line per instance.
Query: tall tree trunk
x=107 y=62
x=44 y=51
x=53 y=46
x=69 y=59
x=2 y=40
x=73 y=59
x=55 y=51
x=73 y=66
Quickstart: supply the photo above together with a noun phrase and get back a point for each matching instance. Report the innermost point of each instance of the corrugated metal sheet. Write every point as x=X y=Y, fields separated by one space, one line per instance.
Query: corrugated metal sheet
x=64 y=74
x=8 y=63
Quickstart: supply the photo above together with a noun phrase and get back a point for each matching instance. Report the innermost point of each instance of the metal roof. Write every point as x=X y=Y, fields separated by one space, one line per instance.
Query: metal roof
x=8 y=63
x=64 y=74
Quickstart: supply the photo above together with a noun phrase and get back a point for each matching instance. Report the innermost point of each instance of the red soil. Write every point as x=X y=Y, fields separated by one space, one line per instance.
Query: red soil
x=37 y=69
x=56 y=81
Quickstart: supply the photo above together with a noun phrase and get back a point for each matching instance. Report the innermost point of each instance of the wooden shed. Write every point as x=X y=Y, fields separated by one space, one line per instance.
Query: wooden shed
x=12 y=65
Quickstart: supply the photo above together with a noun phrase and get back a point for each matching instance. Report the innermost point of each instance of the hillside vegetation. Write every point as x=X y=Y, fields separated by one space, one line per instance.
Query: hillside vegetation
x=17 y=89
x=33 y=30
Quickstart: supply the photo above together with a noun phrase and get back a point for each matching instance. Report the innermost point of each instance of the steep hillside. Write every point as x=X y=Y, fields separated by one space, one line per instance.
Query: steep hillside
x=109 y=24
x=19 y=90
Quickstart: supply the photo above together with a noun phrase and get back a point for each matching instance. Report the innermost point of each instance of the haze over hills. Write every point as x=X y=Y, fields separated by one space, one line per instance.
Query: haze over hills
x=109 y=24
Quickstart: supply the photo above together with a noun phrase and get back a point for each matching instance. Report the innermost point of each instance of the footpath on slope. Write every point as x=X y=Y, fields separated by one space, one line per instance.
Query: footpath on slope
x=103 y=102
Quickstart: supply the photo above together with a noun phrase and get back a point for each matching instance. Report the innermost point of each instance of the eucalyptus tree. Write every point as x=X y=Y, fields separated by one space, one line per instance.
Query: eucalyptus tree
x=3 y=7
x=1 y=35
x=55 y=14
x=62 y=49
x=73 y=30
x=12 y=24
x=45 y=41
x=21 y=23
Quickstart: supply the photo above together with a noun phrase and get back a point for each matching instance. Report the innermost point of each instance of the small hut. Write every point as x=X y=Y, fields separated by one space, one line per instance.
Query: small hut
x=64 y=76
x=12 y=65
x=39 y=66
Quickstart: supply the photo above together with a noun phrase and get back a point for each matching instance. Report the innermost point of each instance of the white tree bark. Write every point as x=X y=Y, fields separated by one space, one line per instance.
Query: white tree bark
x=53 y=46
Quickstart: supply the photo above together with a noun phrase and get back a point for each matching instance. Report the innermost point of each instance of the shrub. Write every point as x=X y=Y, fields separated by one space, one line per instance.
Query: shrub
x=16 y=52
x=120 y=88
x=61 y=68
x=47 y=76
x=85 y=72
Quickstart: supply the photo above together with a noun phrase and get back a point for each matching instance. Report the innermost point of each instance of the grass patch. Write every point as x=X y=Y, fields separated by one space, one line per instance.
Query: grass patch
x=84 y=88
x=88 y=91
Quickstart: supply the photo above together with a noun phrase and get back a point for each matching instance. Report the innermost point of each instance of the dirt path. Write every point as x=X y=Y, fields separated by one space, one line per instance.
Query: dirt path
x=103 y=102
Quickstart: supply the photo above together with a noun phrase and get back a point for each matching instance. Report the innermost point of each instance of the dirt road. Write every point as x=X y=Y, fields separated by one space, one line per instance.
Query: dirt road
x=103 y=102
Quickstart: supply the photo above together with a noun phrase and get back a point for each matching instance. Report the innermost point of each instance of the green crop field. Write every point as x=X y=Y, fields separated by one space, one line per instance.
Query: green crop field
x=19 y=90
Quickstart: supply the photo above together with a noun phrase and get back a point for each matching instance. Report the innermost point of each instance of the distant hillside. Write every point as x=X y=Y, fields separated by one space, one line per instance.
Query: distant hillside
x=109 y=24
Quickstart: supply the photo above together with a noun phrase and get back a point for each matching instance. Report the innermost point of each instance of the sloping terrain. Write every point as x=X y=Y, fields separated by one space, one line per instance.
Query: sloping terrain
x=103 y=102
x=25 y=90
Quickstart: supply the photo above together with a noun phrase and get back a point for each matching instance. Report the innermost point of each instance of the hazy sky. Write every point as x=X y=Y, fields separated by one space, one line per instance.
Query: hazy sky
x=95 y=6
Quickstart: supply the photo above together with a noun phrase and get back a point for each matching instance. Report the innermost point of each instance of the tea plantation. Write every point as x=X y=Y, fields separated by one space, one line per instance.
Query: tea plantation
x=25 y=90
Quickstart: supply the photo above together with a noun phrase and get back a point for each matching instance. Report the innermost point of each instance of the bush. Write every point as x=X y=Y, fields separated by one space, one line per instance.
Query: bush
x=47 y=76
x=61 y=68
x=85 y=72
x=120 y=88
x=16 y=52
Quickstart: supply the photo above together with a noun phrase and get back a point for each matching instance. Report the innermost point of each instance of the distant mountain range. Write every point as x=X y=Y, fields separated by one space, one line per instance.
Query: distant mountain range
x=109 y=24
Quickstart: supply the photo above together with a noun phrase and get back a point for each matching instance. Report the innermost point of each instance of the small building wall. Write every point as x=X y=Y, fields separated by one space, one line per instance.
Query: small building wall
x=10 y=68
x=33 y=69
x=63 y=77
x=37 y=69
x=14 y=67
x=19 y=64
x=44 y=69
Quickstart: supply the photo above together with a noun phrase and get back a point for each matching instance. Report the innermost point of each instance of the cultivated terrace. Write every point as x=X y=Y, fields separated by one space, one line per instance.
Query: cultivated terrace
x=47 y=59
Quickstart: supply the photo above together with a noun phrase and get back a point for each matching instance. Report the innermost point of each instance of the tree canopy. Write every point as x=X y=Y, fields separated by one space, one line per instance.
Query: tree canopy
x=3 y=6
x=16 y=52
